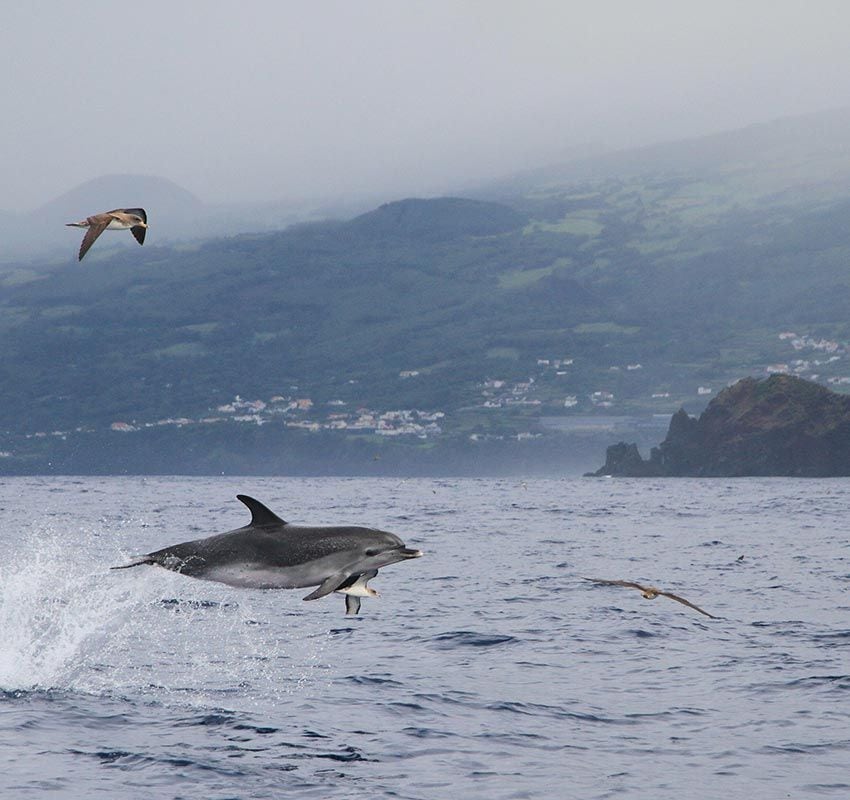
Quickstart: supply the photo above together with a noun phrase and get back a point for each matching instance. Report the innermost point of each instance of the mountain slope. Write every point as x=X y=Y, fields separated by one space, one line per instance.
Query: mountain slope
x=629 y=295
x=761 y=163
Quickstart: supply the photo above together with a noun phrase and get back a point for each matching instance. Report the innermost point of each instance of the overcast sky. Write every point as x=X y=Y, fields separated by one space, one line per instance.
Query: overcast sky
x=258 y=99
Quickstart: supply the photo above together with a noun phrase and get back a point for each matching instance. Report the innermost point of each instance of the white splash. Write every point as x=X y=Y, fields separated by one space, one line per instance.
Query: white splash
x=51 y=611
x=68 y=622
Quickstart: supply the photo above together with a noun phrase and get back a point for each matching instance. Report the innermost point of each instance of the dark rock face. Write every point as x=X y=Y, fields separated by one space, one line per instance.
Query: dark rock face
x=625 y=460
x=779 y=426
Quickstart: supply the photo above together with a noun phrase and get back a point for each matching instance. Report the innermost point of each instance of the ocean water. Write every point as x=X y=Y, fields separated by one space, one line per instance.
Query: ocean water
x=487 y=669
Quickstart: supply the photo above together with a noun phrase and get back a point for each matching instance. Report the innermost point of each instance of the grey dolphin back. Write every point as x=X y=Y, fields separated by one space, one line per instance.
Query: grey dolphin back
x=260 y=515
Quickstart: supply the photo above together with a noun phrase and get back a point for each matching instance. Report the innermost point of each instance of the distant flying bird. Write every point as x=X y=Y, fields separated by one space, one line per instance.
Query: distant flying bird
x=117 y=220
x=650 y=593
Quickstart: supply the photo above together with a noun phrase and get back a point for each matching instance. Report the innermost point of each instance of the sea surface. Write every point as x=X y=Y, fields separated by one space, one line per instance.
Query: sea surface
x=486 y=669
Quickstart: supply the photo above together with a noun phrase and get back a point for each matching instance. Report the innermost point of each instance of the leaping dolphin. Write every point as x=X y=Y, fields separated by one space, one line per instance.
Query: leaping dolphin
x=269 y=553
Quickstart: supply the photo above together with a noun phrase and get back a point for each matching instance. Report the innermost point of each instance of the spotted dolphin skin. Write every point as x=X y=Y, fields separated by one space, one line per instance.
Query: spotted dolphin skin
x=270 y=553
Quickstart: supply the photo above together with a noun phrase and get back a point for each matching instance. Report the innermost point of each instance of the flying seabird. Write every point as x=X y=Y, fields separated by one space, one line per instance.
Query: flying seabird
x=118 y=219
x=650 y=593
x=355 y=588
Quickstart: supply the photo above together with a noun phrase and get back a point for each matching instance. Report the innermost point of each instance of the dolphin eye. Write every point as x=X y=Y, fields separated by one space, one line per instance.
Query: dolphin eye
x=372 y=551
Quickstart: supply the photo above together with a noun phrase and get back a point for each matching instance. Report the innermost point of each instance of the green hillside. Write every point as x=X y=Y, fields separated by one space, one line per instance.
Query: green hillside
x=571 y=297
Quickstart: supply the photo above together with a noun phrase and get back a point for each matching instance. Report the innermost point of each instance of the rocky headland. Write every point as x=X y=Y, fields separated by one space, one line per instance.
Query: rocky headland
x=776 y=426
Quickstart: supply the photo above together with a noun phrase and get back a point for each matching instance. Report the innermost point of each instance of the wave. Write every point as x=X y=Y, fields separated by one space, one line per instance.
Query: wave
x=471 y=639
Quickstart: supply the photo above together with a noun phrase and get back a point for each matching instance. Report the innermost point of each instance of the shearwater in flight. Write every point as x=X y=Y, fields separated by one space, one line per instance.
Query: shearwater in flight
x=119 y=219
x=650 y=593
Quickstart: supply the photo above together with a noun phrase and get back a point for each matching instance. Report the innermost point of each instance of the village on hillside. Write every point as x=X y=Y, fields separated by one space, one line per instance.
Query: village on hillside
x=815 y=358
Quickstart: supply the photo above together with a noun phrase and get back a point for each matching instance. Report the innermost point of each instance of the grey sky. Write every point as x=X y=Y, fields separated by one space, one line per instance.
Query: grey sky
x=258 y=99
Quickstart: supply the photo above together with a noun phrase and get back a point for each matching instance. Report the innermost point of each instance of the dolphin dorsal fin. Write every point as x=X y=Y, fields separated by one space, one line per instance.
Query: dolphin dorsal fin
x=260 y=515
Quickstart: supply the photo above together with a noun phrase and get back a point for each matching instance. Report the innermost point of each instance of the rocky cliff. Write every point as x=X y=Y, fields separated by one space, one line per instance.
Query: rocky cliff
x=780 y=426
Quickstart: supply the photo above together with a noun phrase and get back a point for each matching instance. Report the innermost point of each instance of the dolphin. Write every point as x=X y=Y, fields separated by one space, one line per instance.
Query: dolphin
x=270 y=553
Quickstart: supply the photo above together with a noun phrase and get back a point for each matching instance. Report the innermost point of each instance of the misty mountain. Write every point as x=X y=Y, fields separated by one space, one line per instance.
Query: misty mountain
x=175 y=206
x=785 y=160
x=174 y=213
x=631 y=294
x=442 y=219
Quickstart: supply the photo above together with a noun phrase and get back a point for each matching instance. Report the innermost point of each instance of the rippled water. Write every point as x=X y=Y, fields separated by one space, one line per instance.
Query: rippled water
x=486 y=669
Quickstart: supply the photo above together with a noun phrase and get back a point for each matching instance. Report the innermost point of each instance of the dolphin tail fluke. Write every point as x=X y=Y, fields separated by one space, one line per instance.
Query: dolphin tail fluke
x=330 y=584
x=136 y=563
x=352 y=605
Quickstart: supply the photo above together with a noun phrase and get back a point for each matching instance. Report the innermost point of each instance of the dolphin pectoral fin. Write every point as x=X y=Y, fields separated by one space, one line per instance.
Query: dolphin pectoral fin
x=352 y=605
x=328 y=585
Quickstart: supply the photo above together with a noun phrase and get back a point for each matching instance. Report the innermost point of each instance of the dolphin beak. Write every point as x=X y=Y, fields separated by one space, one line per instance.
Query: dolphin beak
x=408 y=552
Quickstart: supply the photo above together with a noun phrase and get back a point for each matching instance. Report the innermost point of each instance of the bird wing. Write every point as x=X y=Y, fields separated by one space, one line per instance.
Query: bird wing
x=687 y=603
x=124 y=214
x=629 y=584
x=352 y=605
x=139 y=232
x=138 y=212
x=97 y=225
